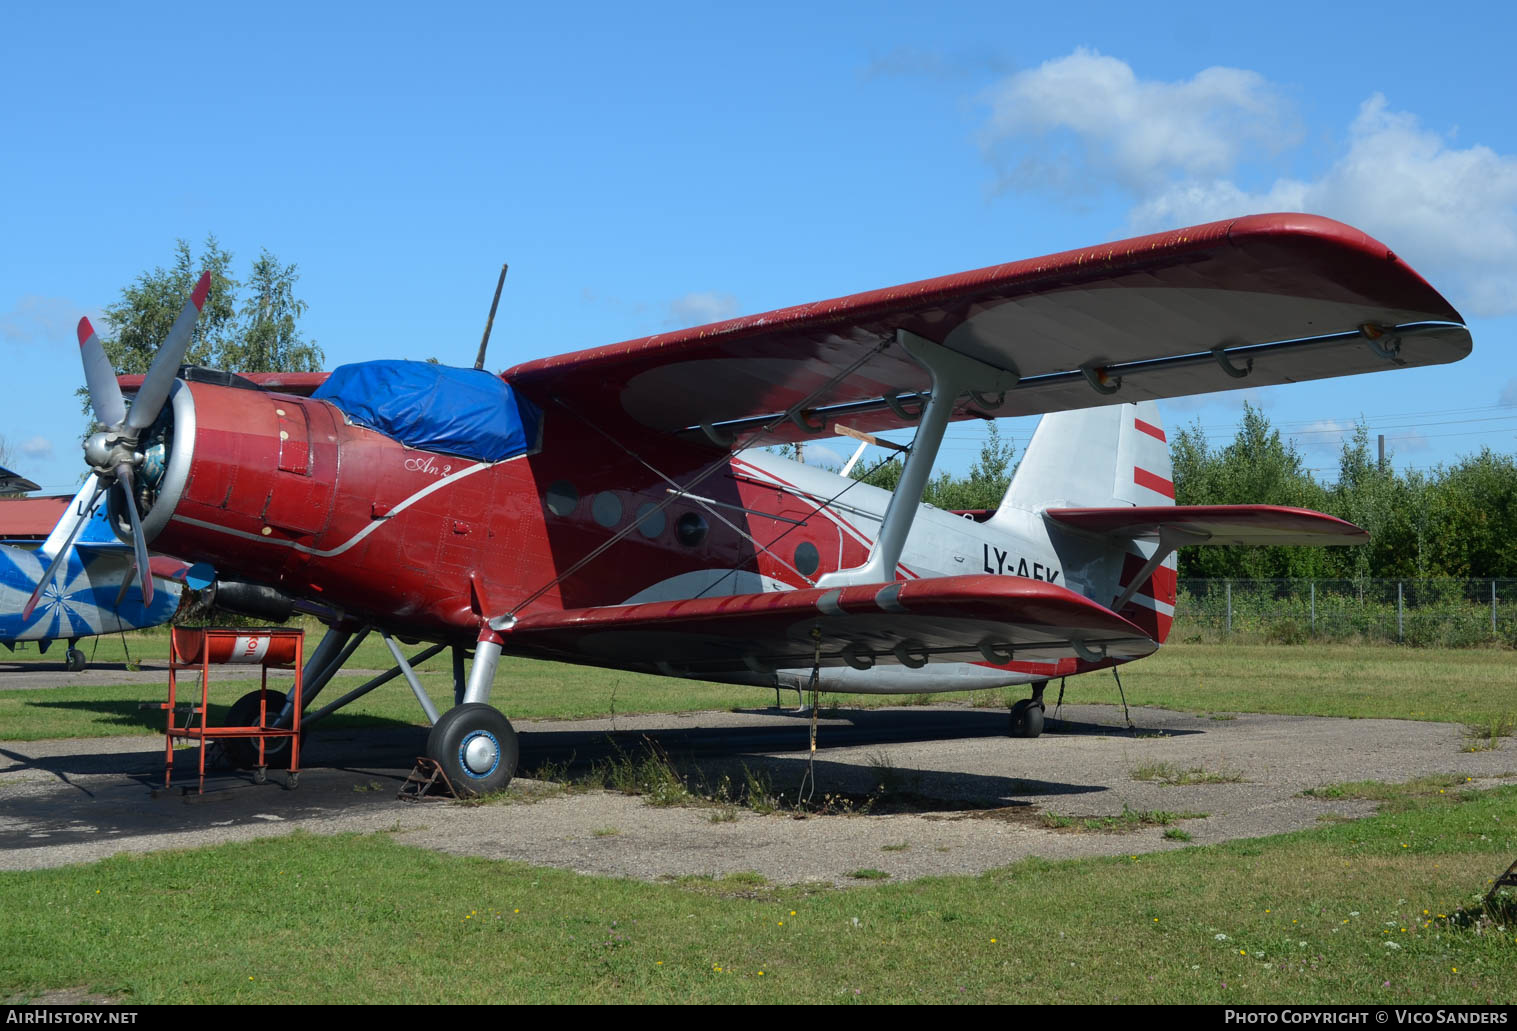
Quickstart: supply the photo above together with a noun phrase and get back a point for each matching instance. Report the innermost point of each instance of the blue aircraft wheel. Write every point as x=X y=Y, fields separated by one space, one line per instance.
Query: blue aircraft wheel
x=1027 y=718
x=476 y=747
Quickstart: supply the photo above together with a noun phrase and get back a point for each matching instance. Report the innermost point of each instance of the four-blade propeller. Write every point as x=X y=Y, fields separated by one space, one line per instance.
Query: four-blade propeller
x=112 y=452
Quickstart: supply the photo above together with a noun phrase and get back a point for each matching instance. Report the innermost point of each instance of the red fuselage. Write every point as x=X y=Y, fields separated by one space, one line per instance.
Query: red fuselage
x=281 y=490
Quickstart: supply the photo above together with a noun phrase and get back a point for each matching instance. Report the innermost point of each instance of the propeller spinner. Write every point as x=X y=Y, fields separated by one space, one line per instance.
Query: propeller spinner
x=112 y=452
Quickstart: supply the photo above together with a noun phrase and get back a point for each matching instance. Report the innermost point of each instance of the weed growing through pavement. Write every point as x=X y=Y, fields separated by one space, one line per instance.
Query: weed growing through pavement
x=1171 y=774
x=1486 y=735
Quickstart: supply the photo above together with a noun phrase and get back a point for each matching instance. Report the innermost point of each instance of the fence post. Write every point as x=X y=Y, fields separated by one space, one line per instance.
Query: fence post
x=1398 y=612
x=1229 y=606
x=1314 y=608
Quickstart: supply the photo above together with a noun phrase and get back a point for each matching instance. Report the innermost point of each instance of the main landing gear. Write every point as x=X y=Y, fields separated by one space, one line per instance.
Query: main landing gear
x=473 y=742
x=1027 y=715
x=74 y=660
x=476 y=747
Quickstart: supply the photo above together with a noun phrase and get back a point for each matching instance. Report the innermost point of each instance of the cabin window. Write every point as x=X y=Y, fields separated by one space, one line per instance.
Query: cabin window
x=691 y=529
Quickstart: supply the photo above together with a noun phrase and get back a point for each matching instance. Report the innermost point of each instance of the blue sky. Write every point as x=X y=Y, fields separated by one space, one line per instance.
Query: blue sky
x=643 y=167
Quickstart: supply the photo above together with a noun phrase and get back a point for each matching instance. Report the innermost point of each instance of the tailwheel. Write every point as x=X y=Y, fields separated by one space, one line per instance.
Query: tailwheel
x=1027 y=715
x=240 y=753
x=1027 y=718
x=476 y=747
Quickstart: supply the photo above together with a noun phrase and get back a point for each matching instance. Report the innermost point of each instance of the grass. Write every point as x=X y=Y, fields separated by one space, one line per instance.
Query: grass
x=1486 y=735
x=1300 y=918
x=1129 y=820
x=1170 y=774
x=1362 y=681
x=1438 y=787
x=1463 y=685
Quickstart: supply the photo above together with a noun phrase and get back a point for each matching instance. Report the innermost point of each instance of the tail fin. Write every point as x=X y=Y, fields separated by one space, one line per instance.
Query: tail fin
x=1095 y=458
x=1112 y=457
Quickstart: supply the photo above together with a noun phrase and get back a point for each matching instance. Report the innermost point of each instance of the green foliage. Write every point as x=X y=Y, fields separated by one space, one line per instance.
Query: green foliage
x=1458 y=521
x=982 y=488
x=259 y=333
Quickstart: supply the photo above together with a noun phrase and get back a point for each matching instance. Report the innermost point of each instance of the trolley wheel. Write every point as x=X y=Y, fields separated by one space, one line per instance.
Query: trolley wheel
x=240 y=752
x=476 y=747
x=1027 y=718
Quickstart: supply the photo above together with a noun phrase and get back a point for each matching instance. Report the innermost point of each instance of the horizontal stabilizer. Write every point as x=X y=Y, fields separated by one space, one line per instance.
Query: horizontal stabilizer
x=947 y=619
x=1214 y=524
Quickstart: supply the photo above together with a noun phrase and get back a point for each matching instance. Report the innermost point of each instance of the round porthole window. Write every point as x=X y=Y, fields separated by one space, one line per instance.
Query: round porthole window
x=690 y=528
x=607 y=509
x=807 y=559
x=561 y=498
x=650 y=520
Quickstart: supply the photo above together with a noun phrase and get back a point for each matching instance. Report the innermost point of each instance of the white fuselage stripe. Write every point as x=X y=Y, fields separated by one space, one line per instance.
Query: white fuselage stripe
x=429 y=489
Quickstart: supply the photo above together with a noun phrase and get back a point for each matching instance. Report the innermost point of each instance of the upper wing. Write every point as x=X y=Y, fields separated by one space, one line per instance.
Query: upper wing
x=956 y=618
x=1216 y=524
x=1285 y=294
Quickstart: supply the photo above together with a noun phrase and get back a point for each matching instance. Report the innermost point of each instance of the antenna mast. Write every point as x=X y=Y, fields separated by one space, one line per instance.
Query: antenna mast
x=479 y=362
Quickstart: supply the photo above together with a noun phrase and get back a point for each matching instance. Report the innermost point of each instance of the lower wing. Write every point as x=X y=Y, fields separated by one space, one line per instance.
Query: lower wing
x=995 y=619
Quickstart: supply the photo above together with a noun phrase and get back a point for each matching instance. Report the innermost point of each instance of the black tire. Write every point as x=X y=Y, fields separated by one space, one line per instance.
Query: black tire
x=476 y=747
x=1026 y=718
x=75 y=661
x=241 y=753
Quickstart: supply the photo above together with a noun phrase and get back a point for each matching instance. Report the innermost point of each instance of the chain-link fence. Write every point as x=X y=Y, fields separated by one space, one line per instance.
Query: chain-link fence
x=1423 y=613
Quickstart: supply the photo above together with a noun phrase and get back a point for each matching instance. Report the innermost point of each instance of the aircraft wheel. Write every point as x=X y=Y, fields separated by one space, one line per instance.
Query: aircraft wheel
x=75 y=660
x=476 y=747
x=242 y=753
x=1027 y=718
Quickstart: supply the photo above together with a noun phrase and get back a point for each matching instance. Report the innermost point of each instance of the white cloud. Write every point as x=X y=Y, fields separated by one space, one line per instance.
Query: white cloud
x=1091 y=119
x=37 y=447
x=1411 y=440
x=1326 y=431
x=38 y=319
x=695 y=309
x=1452 y=213
x=1193 y=151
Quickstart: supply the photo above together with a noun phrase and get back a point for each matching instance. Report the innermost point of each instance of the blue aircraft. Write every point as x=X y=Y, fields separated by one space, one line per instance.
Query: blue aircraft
x=94 y=590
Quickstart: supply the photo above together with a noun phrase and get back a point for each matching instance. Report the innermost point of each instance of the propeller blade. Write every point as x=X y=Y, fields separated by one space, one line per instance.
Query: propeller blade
x=139 y=541
x=126 y=581
x=160 y=376
x=58 y=559
x=105 y=394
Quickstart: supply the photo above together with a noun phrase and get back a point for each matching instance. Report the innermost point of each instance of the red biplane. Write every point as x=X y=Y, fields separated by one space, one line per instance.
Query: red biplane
x=607 y=506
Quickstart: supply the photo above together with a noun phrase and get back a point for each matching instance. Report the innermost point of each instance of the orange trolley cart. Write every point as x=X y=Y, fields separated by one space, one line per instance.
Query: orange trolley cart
x=202 y=648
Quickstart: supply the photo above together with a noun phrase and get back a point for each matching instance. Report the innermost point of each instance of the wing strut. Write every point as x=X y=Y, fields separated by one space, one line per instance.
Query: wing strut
x=1170 y=538
x=953 y=375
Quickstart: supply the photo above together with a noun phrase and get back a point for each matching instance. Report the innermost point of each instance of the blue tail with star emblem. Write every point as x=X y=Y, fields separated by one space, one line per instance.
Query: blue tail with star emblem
x=86 y=596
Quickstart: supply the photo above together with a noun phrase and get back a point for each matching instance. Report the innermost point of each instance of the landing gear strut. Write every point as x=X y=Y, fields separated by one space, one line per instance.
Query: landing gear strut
x=476 y=746
x=1027 y=715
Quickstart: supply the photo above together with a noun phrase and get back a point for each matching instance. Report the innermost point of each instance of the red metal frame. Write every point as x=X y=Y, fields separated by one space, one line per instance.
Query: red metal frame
x=202 y=647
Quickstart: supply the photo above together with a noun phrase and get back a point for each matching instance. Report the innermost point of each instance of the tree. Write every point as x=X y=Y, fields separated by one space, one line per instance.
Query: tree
x=269 y=340
x=983 y=487
x=260 y=335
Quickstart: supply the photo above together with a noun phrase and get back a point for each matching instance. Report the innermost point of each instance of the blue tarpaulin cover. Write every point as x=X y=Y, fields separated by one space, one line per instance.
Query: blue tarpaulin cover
x=465 y=412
